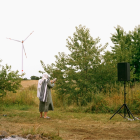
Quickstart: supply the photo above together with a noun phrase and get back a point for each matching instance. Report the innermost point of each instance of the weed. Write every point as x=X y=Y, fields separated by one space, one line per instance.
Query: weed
x=38 y=130
x=32 y=130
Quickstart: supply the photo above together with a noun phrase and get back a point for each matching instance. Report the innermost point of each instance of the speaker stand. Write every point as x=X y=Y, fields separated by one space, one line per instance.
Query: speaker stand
x=125 y=106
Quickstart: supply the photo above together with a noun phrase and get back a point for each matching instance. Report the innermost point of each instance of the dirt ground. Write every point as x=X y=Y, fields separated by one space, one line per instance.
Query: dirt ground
x=70 y=126
x=74 y=128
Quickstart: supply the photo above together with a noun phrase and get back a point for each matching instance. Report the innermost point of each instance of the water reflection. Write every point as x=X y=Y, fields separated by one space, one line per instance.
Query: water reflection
x=13 y=138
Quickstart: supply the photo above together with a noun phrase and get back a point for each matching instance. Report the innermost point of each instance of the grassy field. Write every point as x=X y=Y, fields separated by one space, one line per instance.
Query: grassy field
x=22 y=119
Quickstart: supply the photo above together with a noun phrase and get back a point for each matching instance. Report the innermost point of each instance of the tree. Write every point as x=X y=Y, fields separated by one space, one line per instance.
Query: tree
x=106 y=72
x=58 y=70
x=123 y=49
x=126 y=49
x=76 y=72
x=25 y=78
x=9 y=80
x=84 y=58
x=136 y=51
x=34 y=77
x=47 y=68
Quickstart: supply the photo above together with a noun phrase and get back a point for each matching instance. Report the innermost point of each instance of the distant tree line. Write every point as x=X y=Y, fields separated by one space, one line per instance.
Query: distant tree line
x=35 y=77
x=25 y=79
x=86 y=71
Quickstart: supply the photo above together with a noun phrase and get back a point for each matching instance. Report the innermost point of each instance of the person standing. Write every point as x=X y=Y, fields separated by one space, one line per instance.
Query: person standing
x=44 y=95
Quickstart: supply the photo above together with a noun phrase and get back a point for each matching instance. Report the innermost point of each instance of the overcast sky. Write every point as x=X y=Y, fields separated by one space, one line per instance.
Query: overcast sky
x=52 y=22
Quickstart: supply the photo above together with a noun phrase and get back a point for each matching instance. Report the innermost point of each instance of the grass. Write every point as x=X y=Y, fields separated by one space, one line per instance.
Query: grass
x=32 y=114
x=101 y=103
x=70 y=122
x=64 y=125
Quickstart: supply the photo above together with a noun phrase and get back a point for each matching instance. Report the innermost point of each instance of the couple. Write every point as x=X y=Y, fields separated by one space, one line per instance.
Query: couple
x=44 y=95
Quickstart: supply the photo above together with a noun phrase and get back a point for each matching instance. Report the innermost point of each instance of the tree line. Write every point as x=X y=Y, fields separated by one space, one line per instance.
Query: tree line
x=86 y=71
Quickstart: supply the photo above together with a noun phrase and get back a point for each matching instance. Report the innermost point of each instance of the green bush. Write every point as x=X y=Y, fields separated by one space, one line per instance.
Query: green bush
x=9 y=80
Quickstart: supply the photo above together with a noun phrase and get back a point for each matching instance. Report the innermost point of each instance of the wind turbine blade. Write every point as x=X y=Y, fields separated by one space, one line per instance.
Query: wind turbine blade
x=14 y=40
x=29 y=35
x=24 y=50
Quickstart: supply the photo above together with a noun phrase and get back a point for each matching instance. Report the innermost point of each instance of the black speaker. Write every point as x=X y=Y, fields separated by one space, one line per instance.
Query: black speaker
x=123 y=71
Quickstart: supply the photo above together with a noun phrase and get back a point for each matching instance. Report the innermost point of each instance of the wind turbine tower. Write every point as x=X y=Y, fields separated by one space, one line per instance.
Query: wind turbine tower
x=22 y=48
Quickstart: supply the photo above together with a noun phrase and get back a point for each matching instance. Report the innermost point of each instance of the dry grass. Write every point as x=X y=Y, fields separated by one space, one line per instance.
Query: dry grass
x=27 y=83
x=117 y=98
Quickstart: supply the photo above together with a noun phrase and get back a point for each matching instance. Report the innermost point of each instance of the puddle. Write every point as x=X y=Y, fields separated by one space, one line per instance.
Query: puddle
x=13 y=138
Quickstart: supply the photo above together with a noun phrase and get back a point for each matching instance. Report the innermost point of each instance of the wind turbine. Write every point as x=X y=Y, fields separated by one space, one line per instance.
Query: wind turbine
x=22 y=48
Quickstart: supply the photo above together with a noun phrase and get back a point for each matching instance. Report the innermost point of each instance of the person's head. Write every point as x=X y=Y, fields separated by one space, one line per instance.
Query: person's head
x=45 y=76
